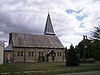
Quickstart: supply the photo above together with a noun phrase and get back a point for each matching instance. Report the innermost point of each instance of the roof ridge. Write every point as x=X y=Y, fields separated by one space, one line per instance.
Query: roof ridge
x=25 y=33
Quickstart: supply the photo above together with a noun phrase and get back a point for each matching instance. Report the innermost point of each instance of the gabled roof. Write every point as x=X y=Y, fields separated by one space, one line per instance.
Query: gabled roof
x=49 y=28
x=51 y=51
x=30 y=40
x=9 y=47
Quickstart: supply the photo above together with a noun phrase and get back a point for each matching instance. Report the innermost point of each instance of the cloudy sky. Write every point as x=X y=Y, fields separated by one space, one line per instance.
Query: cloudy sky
x=71 y=18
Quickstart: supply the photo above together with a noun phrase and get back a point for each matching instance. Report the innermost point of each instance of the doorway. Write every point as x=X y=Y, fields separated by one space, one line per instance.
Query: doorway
x=51 y=56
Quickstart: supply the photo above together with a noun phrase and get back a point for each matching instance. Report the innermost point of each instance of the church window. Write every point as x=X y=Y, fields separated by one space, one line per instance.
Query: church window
x=60 y=53
x=21 y=53
x=32 y=53
x=29 y=53
x=57 y=53
x=18 y=53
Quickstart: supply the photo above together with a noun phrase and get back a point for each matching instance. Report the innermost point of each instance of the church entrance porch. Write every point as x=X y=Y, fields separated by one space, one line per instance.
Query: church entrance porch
x=51 y=56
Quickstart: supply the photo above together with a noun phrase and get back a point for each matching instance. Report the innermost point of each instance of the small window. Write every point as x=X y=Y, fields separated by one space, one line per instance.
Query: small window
x=29 y=53
x=57 y=53
x=21 y=53
x=32 y=53
x=18 y=54
x=60 y=53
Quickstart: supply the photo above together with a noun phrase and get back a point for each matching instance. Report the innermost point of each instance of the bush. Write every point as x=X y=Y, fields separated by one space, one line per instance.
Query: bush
x=88 y=60
x=72 y=58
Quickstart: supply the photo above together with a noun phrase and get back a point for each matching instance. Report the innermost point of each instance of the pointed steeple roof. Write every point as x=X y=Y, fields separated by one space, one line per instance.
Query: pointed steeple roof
x=49 y=28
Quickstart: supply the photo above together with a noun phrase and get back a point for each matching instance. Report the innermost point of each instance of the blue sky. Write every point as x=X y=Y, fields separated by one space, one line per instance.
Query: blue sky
x=78 y=16
x=70 y=11
x=71 y=19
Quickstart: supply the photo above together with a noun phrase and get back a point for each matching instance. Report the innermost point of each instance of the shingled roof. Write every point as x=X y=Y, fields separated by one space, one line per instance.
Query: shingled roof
x=30 y=40
x=49 y=28
x=48 y=40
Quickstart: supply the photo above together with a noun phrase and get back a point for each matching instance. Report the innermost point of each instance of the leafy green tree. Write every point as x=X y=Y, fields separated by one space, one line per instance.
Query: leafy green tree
x=96 y=33
x=95 y=46
x=72 y=58
x=96 y=42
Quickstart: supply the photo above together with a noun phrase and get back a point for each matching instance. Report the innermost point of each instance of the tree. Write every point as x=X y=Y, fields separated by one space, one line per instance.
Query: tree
x=96 y=33
x=95 y=46
x=96 y=42
x=66 y=52
x=72 y=58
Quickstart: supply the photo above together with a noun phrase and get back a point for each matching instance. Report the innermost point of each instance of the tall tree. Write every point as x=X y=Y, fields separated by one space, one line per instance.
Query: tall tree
x=96 y=42
x=95 y=46
x=72 y=58
x=96 y=33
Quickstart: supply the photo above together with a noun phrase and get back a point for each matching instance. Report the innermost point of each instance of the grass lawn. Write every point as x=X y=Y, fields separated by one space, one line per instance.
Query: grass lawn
x=50 y=68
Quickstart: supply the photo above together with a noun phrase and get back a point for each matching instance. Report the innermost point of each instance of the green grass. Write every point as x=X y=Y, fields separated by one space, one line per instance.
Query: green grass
x=45 y=68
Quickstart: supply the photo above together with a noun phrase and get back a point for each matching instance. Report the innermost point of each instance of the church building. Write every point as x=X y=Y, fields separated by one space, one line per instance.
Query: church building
x=25 y=47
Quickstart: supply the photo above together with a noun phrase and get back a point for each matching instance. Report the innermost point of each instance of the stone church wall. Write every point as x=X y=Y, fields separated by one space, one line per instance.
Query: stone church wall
x=34 y=55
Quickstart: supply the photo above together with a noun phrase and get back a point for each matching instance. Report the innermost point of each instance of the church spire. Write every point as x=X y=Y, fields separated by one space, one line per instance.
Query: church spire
x=49 y=28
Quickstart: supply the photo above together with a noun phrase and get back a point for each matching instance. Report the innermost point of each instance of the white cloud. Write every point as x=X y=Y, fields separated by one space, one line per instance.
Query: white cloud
x=30 y=16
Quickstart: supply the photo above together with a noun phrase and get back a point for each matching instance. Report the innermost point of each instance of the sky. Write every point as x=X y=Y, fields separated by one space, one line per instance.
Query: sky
x=71 y=19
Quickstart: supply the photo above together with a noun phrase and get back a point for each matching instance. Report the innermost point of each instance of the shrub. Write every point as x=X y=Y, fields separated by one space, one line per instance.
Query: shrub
x=72 y=58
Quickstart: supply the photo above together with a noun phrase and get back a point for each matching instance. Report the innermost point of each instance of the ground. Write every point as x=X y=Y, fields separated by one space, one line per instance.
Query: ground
x=84 y=73
x=50 y=68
